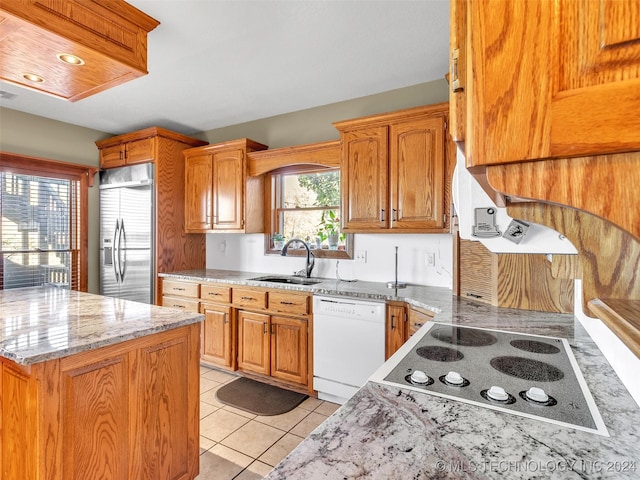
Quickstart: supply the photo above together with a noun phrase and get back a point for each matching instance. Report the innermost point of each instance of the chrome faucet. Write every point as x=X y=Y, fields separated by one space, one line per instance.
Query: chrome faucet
x=310 y=257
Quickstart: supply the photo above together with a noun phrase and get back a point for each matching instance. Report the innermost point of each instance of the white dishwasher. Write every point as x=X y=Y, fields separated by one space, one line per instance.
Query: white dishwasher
x=348 y=345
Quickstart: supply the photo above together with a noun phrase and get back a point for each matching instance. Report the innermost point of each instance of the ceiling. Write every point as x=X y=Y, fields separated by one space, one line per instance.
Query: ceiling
x=214 y=63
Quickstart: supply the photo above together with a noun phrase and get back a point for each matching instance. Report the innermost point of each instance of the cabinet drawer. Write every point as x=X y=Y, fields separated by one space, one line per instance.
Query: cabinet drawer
x=181 y=303
x=249 y=298
x=183 y=289
x=286 y=302
x=215 y=293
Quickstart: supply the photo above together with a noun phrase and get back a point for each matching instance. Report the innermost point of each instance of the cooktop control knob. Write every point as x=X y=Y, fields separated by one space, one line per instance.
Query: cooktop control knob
x=454 y=378
x=418 y=376
x=537 y=395
x=497 y=393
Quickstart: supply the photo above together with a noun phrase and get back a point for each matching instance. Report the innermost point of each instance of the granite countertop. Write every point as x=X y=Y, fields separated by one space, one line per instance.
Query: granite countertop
x=386 y=432
x=44 y=323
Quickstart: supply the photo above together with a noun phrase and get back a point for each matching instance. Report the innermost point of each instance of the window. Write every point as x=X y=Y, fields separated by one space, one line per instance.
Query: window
x=306 y=205
x=43 y=237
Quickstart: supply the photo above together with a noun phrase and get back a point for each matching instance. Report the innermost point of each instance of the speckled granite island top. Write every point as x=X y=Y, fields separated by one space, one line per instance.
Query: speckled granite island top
x=392 y=433
x=44 y=323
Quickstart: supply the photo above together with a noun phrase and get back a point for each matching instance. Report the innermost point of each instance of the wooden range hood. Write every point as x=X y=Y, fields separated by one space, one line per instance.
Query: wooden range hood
x=109 y=37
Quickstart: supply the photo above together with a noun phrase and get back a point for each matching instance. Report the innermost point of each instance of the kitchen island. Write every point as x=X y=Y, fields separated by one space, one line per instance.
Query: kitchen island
x=97 y=387
x=386 y=432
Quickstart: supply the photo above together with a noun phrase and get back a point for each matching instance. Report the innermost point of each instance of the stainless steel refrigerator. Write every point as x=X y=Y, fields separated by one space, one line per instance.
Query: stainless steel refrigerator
x=126 y=232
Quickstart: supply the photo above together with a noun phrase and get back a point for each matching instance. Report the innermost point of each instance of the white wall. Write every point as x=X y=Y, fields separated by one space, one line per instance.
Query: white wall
x=246 y=253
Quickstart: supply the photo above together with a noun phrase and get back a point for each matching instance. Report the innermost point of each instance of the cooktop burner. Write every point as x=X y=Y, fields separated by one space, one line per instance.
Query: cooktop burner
x=464 y=336
x=439 y=354
x=527 y=368
x=527 y=375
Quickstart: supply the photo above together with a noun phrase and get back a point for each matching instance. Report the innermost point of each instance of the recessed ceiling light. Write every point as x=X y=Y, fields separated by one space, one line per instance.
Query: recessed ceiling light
x=70 y=59
x=32 y=77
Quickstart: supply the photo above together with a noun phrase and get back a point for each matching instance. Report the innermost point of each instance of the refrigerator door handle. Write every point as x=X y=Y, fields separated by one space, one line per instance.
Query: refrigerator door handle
x=122 y=245
x=116 y=252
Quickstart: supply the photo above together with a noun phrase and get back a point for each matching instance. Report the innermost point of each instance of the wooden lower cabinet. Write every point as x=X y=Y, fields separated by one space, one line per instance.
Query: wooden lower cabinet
x=289 y=357
x=126 y=411
x=217 y=334
x=273 y=345
x=403 y=321
x=253 y=342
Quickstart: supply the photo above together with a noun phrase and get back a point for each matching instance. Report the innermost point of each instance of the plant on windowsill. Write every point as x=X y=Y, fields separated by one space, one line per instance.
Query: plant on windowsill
x=329 y=229
x=278 y=241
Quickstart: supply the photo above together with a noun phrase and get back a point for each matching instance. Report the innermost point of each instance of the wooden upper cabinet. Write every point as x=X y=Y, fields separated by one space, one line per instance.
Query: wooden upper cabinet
x=547 y=79
x=548 y=94
x=219 y=195
x=364 y=177
x=128 y=153
x=228 y=189
x=198 y=177
x=395 y=171
x=110 y=38
x=417 y=173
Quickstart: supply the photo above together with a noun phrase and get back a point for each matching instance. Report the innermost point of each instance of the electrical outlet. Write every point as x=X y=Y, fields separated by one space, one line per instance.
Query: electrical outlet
x=430 y=259
x=361 y=256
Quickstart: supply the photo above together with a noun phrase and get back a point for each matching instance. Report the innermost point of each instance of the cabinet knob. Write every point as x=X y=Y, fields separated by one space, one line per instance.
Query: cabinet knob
x=382 y=214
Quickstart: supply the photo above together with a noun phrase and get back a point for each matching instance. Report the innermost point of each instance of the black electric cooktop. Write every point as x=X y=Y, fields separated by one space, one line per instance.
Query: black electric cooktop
x=527 y=375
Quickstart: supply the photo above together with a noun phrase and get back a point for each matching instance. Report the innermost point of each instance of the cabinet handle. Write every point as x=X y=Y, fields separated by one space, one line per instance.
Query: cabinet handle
x=248 y=299
x=265 y=328
x=120 y=154
x=211 y=294
x=455 y=78
x=178 y=289
x=282 y=302
x=393 y=323
x=473 y=295
x=394 y=215
x=416 y=324
x=225 y=319
x=178 y=306
x=382 y=214
x=273 y=329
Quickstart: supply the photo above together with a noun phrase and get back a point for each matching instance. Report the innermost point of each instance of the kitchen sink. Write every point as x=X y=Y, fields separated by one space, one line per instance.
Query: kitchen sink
x=287 y=279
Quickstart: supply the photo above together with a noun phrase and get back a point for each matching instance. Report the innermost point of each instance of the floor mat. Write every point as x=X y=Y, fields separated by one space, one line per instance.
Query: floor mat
x=258 y=398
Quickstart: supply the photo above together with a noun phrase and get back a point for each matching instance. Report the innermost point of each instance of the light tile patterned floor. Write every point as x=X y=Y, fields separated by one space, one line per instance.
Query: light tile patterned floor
x=238 y=445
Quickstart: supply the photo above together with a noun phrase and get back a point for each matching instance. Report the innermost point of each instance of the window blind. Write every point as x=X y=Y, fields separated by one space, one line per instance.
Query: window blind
x=39 y=232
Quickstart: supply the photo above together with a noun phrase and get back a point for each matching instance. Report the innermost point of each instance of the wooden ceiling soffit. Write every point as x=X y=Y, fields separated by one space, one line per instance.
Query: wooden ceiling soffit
x=609 y=262
x=110 y=37
x=322 y=154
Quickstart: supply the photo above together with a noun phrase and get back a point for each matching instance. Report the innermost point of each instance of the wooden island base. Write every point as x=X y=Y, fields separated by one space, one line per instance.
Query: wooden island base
x=125 y=411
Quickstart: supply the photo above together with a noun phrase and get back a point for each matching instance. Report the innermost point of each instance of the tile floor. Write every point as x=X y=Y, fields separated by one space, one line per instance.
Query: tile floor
x=235 y=444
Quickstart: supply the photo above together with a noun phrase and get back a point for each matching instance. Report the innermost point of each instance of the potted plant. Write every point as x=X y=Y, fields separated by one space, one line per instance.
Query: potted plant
x=329 y=229
x=278 y=241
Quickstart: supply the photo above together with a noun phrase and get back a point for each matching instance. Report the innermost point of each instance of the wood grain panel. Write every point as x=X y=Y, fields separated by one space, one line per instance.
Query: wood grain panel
x=215 y=293
x=326 y=154
x=622 y=317
x=96 y=420
x=289 y=349
x=165 y=398
x=364 y=179
x=457 y=69
x=216 y=334
x=417 y=177
x=605 y=185
x=477 y=270
x=609 y=257
x=290 y=303
x=19 y=426
x=253 y=342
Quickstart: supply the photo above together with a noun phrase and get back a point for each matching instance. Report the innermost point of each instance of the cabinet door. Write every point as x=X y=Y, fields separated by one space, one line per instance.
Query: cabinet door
x=396 y=319
x=198 y=191
x=364 y=179
x=216 y=335
x=417 y=173
x=139 y=151
x=289 y=356
x=228 y=190
x=253 y=342
x=111 y=157
x=552 y=79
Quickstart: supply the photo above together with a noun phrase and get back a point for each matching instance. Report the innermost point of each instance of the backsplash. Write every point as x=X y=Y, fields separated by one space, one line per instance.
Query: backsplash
x=245 y=252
